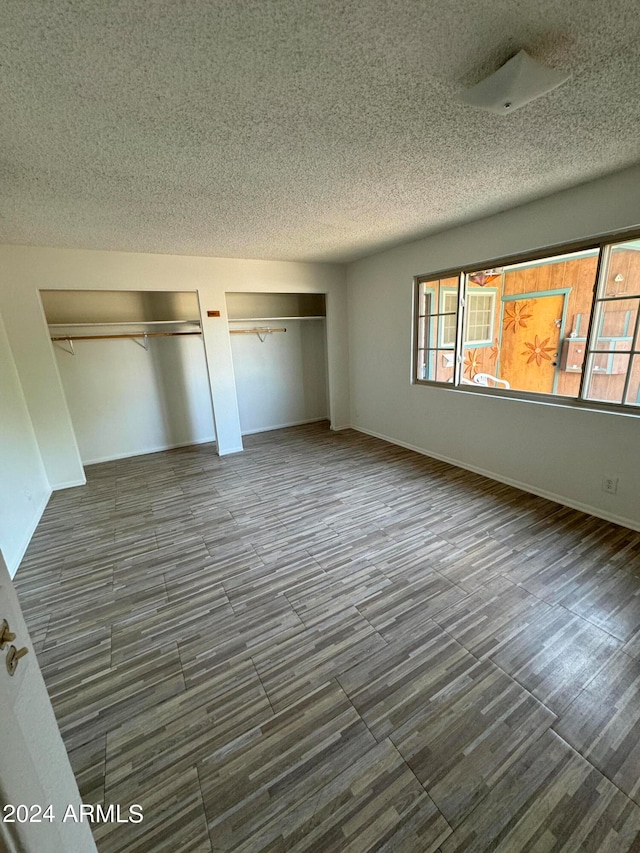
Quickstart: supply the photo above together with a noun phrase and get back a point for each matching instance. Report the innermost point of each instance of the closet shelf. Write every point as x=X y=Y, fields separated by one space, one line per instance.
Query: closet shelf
x=270 y=319
x=124 y=323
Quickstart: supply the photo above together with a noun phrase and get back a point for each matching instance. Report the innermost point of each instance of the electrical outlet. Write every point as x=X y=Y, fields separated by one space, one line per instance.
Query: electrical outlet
x=610 y=485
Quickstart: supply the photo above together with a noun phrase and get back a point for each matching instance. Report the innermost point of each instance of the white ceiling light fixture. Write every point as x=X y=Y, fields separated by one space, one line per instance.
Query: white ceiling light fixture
x=514 y=84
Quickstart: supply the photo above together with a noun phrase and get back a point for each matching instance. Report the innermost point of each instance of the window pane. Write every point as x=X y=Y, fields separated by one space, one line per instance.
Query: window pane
x=434 y=329
x=605 y=382
x=526 y=324
x=633 y=391
x=422 y=333
x=436 y=365
x=424 y=302
x=616 y=324
x=437 y=306
x=421 y=370
x=623 y=275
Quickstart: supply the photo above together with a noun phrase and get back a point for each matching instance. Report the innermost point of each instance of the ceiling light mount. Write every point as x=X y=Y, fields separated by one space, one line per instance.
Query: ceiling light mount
x=520 y=80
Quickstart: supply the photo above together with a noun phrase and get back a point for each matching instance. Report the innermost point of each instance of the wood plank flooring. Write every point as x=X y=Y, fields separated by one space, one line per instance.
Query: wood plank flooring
x=328 y=643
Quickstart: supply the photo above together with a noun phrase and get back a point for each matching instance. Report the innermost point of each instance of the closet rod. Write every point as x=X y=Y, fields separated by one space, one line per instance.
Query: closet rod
x=130 y=335
x=254 y=331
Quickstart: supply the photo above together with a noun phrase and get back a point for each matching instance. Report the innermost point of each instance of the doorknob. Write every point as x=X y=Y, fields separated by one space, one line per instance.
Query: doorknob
x=13 y=654
x=13 y=658
x=6 y=636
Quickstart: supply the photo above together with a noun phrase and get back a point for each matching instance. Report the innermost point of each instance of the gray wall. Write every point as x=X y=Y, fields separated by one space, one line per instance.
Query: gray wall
x=556 y=452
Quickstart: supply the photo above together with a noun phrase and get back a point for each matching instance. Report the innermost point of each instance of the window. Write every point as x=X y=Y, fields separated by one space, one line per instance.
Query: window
x=479 y=326
x=562 y=326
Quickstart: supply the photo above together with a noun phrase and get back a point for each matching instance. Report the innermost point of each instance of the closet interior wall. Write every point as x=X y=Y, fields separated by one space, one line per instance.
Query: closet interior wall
x=138 y=381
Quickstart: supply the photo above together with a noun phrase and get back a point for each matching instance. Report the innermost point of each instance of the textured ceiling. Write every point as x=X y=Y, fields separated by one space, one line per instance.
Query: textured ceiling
x=296 y=129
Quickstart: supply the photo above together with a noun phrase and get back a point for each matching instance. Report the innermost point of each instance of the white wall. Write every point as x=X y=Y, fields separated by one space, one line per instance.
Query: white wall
x=558 y=452
x=24 y=488
x=25 y=270
x=125 y=400
x=283 y=380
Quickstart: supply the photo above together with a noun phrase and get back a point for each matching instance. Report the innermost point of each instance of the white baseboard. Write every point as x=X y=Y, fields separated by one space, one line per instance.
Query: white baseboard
x=525 y=487
x=284 y=426
x=69 y=485
x=15 y=563
x=147 y=450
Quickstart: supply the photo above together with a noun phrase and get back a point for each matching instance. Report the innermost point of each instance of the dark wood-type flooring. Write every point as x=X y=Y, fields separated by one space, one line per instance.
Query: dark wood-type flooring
x=328 y=643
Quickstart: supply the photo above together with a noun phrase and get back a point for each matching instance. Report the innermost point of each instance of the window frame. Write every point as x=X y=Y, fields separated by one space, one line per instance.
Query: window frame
x=602 y=245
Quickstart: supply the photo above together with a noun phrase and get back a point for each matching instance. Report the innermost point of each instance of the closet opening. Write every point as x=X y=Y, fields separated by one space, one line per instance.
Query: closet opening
x=133 y=370
x=279 y=348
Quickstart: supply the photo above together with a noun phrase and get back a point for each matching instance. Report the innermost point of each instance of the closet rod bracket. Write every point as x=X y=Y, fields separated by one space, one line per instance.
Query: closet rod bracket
x=68 y=349
x=261 y=332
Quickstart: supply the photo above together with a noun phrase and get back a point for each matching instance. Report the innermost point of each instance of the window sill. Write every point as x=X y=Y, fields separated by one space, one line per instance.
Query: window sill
x=540 y=399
